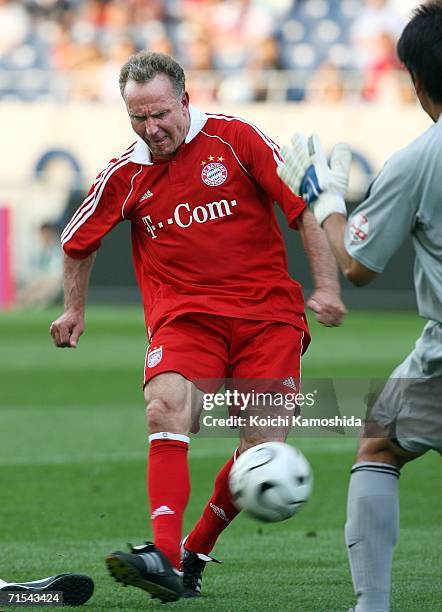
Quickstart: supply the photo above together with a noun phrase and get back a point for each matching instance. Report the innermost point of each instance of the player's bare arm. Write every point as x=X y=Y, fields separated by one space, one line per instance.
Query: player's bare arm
x=326 y=300
x=323 y=186
x=67 y=329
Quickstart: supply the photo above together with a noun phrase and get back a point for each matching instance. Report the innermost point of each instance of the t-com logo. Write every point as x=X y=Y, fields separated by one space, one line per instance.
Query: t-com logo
x=184 y=216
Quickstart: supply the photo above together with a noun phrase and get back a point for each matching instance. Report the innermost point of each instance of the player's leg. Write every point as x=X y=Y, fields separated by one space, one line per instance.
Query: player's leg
x=173 y=405
x=168 y=398
x=251 y=364
x=219 y=511
x=372 y=525
x=269 y=366
x=154 y=566
x=405 y=422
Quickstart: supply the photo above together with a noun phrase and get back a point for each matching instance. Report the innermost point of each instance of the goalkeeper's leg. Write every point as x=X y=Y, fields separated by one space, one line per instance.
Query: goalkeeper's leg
x=372 y=524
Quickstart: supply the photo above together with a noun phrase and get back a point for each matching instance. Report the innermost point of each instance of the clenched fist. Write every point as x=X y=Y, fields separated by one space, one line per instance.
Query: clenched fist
x=67 y=329
x=328 y=307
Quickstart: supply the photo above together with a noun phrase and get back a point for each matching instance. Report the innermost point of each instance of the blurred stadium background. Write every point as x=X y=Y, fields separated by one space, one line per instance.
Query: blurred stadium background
x=287 y=65
x=72 y=441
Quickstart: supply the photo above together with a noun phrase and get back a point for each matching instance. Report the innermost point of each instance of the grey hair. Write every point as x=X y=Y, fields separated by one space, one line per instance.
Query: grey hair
x=144 y=66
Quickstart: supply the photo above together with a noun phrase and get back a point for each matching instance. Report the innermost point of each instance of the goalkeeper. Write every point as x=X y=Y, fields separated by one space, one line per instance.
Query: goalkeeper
x=404 y=200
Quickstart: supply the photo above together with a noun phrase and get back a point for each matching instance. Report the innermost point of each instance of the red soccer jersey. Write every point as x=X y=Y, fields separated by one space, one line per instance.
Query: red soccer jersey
x=205 y=237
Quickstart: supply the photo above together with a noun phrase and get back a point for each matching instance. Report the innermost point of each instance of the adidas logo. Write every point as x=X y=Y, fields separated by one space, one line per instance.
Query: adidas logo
x=160 y=511
x=290 y=382
x=146 y=195
x=219 y=512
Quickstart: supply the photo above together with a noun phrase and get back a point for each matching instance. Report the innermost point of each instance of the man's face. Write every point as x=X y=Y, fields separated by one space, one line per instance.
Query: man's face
x=156 y=115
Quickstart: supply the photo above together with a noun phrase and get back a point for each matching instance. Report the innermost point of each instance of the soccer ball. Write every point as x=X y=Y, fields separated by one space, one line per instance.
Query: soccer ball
x=271 y=481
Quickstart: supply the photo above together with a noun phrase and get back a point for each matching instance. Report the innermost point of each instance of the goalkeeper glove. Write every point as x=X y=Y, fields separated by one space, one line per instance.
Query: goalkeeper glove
x=306 y=172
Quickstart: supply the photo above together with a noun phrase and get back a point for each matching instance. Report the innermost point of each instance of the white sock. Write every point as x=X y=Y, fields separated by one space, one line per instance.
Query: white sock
x=371 y=532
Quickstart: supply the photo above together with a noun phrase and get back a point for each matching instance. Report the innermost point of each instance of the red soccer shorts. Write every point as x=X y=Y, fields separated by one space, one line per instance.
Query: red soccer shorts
x=207 y=349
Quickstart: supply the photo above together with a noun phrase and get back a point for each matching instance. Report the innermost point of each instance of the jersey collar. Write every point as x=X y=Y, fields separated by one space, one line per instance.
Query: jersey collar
x=141 y=153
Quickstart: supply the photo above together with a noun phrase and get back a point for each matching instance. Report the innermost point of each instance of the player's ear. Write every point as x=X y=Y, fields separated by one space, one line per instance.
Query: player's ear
x=185 y=100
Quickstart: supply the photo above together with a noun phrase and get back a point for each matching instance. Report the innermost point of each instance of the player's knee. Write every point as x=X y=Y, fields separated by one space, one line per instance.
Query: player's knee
x=253 y=436
x=157 y=415
x=259 y=438
x=166 y=406
x=378 y=450
x=170 y=389
x=245 y=444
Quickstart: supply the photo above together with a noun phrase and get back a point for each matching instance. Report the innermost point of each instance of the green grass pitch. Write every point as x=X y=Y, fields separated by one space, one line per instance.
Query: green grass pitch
x=72 y=472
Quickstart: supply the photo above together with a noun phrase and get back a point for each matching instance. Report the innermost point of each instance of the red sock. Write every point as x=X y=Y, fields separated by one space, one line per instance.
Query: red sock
x=217 y=515
x=168 y=488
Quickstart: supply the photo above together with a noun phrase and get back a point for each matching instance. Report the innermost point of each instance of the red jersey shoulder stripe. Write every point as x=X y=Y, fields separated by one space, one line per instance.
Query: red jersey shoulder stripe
x=241 y=120
x=269 y=142
x=91 y=202
x=102 y=176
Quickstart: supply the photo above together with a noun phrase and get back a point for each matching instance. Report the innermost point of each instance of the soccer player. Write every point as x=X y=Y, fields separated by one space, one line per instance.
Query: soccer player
x=77 y=589
x=404 y=200
x=199 y=191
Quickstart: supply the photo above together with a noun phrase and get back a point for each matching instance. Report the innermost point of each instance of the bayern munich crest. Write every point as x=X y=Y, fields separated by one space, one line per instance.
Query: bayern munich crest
x=154 y=357
x=214 y=174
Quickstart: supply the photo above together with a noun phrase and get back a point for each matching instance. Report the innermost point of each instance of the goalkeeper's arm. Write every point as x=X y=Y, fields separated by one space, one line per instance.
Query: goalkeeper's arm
x=306 y=171
x=355 y=272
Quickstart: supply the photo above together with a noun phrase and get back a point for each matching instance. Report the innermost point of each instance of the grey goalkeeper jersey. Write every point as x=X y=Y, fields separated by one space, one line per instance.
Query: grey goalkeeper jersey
x=405 y=199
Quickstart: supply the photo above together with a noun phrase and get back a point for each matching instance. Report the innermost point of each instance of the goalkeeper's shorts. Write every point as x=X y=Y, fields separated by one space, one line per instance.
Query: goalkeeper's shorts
x=409 y=408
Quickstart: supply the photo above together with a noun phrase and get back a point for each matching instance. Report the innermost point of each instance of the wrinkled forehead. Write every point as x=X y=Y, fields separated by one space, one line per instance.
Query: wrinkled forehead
x=159 y=91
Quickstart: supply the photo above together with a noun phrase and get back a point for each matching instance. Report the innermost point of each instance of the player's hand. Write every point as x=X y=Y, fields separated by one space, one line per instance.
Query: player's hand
x=296 y=163
x=67 y=329
x=306 y=172
x=328 y=307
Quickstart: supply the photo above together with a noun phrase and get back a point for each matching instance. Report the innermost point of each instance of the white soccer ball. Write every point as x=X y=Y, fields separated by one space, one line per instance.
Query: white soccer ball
x=271 y=481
